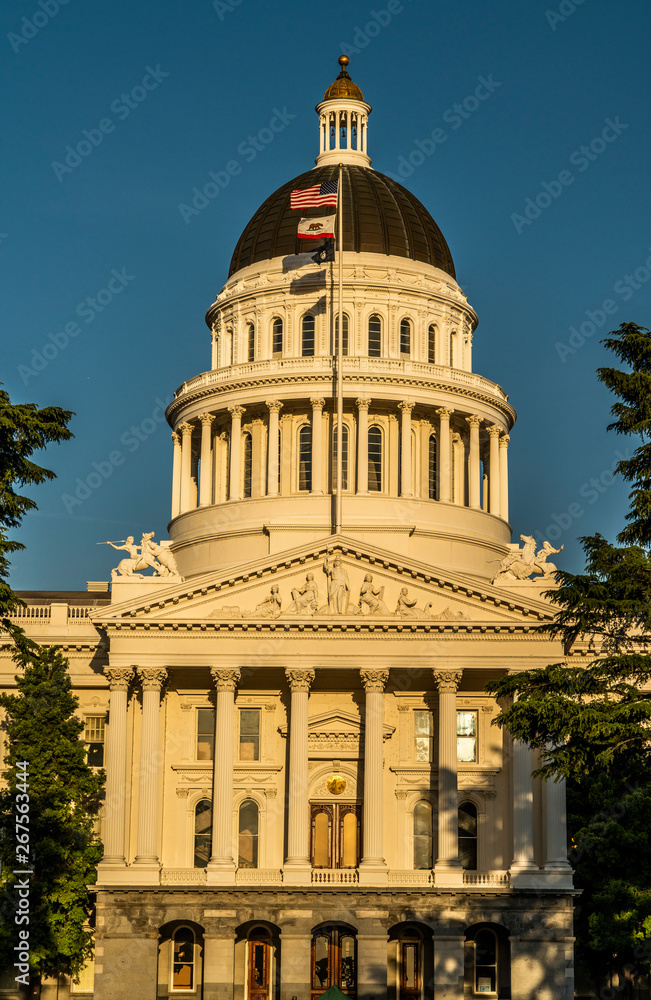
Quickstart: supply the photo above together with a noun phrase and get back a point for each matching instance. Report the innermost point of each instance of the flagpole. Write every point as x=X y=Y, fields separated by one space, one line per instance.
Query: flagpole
x=340 y=354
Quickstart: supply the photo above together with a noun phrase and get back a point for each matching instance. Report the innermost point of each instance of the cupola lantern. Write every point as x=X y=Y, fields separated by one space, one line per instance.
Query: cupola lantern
x=343 y=122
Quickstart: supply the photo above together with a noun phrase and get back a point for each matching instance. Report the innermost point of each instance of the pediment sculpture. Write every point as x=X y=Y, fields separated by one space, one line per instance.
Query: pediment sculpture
x=523 y=563
x=148 y=555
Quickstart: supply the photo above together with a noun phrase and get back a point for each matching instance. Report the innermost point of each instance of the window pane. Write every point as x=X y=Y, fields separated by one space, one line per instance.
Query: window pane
x=277 y=338
x=422 y=835
x=466 y=723
x=305 y=459
x=348 y=962
x=423 y=735
x=405 y=337
x=345 y=340
x=467 y=737
x=321 y=971
x=307 y=344
x=205 y=733
x=94 y=738
x=374 y=337
x=251 y=342
x=485 y=948
x=349 y=852
x=409 y=965
x=467 y=820
x=375 y=459
x=321 y=840
x=248 y=835
x=248 y=458
x=433 y=469
x=431 y=345
x=250 y=734
x=182 y=975
x=344 y=457
x=202 y=833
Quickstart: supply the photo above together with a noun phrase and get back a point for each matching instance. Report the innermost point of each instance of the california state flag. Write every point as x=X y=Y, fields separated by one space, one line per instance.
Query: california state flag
x=316 y=229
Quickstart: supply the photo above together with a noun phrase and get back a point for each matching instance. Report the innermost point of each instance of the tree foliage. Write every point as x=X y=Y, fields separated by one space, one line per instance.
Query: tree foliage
x=592 y=723
x=64 y=797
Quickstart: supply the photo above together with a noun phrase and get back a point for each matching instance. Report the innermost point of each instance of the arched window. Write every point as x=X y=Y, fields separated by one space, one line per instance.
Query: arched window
x=259 y=964
x=344 y=457
x=250 y=342
x=248 y=456
x=431 y=344
x=334 y=960
x=307 y=336
x=375 y=459
x=277 y=337
x=183 y=977
x=231 y=336
x=432 y=470
x=485 y=961
x=344 y=346
x=452 y=340
x=202 y=833
x=248 y=835
x=405 y=338
x=374 y=337
x=305 y=458
x=423 y=856
x=468 y=836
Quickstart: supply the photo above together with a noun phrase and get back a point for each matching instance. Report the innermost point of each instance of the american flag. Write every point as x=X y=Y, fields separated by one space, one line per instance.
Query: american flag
x=315 y=197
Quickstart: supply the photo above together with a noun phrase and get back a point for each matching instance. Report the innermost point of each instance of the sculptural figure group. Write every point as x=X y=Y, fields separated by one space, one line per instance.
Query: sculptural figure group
x=148 y=555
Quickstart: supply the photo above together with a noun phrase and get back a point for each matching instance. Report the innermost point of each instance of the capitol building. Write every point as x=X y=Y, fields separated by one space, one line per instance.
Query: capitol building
x=304 y=788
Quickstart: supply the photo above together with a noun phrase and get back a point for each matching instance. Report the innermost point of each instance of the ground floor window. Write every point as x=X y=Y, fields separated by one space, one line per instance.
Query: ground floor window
x=334 y=960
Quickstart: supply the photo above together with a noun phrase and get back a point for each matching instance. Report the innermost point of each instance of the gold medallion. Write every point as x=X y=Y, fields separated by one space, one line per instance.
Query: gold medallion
x=336 y=784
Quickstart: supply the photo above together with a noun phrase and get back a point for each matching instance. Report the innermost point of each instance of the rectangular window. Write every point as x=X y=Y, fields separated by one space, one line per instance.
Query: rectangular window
x=94 y=739
x=205 y=733
x=467 y=737
x=250 y=734
x=86 y=982
x=423 y=735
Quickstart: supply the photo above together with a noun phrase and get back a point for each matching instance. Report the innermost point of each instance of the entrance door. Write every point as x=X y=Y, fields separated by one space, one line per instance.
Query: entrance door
x=334 y=961
x=335 y=835
x=259 y=972
x=410 y=972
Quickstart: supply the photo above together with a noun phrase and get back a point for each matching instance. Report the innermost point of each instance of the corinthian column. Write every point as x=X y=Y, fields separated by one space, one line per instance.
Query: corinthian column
x=494 y=470
x=205 y=483
x=444 y=454
x=297 y=864
x=504 y=477
x=362 y=444
x=119 y=679
x=152 y=680
x=317 y=444
x=405 y=449
x=373 y=868
x=236 y=452
x=186 y=466
x=176 y=475
x=473 y=463
x=448 y=869
x=221 y=867
x=274 y=406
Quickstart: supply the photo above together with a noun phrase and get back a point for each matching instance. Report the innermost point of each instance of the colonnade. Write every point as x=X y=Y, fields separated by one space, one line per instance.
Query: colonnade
x=373 y=868
x=195 y=456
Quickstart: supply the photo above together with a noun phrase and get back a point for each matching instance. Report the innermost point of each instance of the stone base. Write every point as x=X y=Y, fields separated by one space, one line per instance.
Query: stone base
x=147 y=873
x=373 y=874
x=297 y=875
x=127 y=588
x=540 y=879
x=448 y=878
x=220 y=875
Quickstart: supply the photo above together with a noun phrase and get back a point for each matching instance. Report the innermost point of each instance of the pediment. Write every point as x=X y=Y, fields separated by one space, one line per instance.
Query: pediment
x=336 y=733
x=338 y=583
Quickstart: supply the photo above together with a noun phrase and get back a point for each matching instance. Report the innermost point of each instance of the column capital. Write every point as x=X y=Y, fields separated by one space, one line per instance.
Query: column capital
x=152 y=678
x=176 y=437
x=473 y=420
x=444 y=412
x=363 y=402
x=225 y=678
x=406 y=406
x=236 y=411
x=373 y=679
x=504 y=441
x=447 y=680
x=273 y=405
x=119 y=678
x=206 y=418
x=299 y=680
x=317 y=403
x=494 y=431
x=185 y=428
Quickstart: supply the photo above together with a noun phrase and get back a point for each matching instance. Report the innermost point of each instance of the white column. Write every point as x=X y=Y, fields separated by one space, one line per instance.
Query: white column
x=236 y=452
x=119 y=679
x=362 y=444
x=152 y=680
x=205 y=483
x=522 y=809
x=405 y=448
x=448 y=869
x=176 y=475
x=274 y=406
x=494 y=470
x=473 y=463
x=555 y=826
x=297 y=864
x=444 y=454
x=221 y=867
x=504 y=477
x=373 y=868
x=186 y=466
x=317 y=444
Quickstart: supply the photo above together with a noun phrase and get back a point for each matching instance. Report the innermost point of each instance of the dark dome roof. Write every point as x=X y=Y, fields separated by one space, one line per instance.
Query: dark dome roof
x=380 y=216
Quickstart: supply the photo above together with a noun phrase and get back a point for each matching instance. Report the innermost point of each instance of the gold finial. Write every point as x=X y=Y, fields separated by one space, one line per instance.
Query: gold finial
x=343 y=61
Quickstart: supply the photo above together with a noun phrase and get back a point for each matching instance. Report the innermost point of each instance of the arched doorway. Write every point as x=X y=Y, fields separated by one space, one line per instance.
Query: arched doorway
x=334 y=960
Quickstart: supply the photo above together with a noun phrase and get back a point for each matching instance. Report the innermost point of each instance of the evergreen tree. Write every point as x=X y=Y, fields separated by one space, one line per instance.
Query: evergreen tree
x=46 y=761
x=592 y=724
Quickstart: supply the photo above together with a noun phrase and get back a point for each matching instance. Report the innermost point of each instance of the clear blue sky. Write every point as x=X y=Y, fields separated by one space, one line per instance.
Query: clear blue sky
x=218 y=74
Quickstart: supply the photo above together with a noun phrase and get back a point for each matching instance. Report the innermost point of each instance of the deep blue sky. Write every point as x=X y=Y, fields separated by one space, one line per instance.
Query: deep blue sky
x=62 y=234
